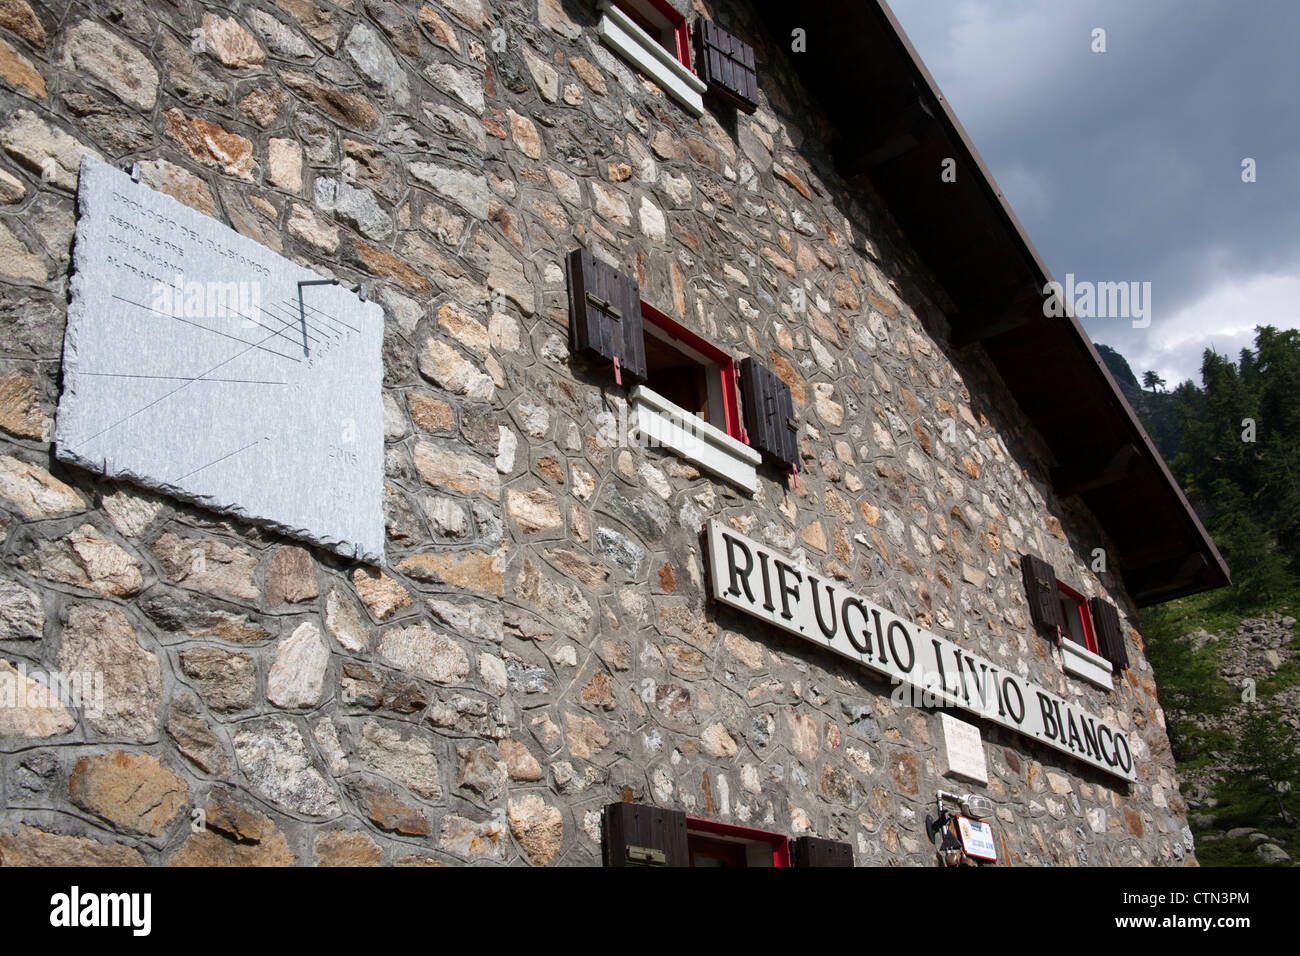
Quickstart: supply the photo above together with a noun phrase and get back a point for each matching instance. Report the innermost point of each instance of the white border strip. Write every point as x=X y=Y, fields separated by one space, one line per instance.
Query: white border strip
x=1081 y=662
x=671 y=426
x=618 y=31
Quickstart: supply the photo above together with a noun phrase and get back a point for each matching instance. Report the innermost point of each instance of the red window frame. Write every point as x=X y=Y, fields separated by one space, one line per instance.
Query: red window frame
x=1081 y=608
x=779 y=842
x=676 y=23
x=727 y=367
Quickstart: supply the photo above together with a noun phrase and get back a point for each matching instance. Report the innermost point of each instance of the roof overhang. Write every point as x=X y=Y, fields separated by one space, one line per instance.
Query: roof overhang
x=893 y=126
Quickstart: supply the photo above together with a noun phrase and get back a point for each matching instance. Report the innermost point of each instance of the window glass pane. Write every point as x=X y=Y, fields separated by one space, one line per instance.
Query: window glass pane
x=1073 y=623
x=709 y=852
x=676 y=376
x=652 y=22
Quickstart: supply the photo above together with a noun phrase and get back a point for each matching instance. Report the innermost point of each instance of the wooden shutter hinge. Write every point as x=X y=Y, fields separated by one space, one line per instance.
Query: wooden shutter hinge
x=609 y=308
x=646 y=856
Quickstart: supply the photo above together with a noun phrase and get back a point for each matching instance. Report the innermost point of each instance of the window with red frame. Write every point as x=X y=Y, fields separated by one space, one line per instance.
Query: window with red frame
x=663 y=23
x=635 y=834
x=691 y=372
x=1078 y=622
x=714 y=844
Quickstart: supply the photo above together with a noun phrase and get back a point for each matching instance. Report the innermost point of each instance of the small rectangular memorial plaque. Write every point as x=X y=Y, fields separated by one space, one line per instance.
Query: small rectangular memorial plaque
x=201 y=364
x=963 y=750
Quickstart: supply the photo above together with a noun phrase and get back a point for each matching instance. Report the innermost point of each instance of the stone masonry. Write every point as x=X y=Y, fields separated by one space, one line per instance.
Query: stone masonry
x=538 y=644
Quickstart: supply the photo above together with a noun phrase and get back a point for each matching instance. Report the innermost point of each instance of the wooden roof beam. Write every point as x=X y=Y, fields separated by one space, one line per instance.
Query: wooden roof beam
x=976 y=325
x=1151 y=584
x=912 y=124
x=1080 y=477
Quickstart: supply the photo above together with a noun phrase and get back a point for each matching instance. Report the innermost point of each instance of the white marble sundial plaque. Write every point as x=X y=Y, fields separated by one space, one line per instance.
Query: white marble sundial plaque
x=201 y=364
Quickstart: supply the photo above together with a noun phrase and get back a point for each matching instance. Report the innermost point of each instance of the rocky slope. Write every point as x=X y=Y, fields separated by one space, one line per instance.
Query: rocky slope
x=1258 y=661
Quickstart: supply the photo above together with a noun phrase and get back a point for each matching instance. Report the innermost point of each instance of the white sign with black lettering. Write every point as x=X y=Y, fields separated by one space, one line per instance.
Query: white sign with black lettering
x=756 y=580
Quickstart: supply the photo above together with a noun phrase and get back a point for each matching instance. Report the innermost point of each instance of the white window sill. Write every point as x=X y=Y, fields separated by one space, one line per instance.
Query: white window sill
x=1083 y=663
x=618 y=31
x=659 y=423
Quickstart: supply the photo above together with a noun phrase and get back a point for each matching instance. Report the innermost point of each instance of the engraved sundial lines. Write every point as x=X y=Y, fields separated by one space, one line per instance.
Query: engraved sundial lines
x=78 y=446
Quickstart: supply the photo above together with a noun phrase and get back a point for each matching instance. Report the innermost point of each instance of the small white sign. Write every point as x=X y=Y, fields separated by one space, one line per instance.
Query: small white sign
x=977 y=839
x=964 y=749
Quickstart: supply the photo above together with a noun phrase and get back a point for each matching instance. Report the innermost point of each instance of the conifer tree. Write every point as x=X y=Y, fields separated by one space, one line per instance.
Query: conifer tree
x=1268 y=761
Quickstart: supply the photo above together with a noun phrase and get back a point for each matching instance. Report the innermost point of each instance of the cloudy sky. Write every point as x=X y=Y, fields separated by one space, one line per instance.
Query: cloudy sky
x=1127 y=165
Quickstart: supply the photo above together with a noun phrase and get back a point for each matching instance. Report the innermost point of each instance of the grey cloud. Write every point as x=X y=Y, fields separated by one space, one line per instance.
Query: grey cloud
x=1127 y=165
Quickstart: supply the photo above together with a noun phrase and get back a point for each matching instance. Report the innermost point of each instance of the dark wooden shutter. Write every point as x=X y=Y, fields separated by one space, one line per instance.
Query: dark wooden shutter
x=1040 y=589
x=814 y=851
x=605 y=315
x=635 y=835
x=1110 y=635
x=769 y=413
x=726 y=65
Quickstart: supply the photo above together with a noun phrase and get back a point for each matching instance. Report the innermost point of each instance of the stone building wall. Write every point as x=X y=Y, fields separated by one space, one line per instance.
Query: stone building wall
x=539 y=643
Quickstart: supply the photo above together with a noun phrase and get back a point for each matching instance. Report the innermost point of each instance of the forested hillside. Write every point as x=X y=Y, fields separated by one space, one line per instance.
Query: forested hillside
x=1226 y=663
